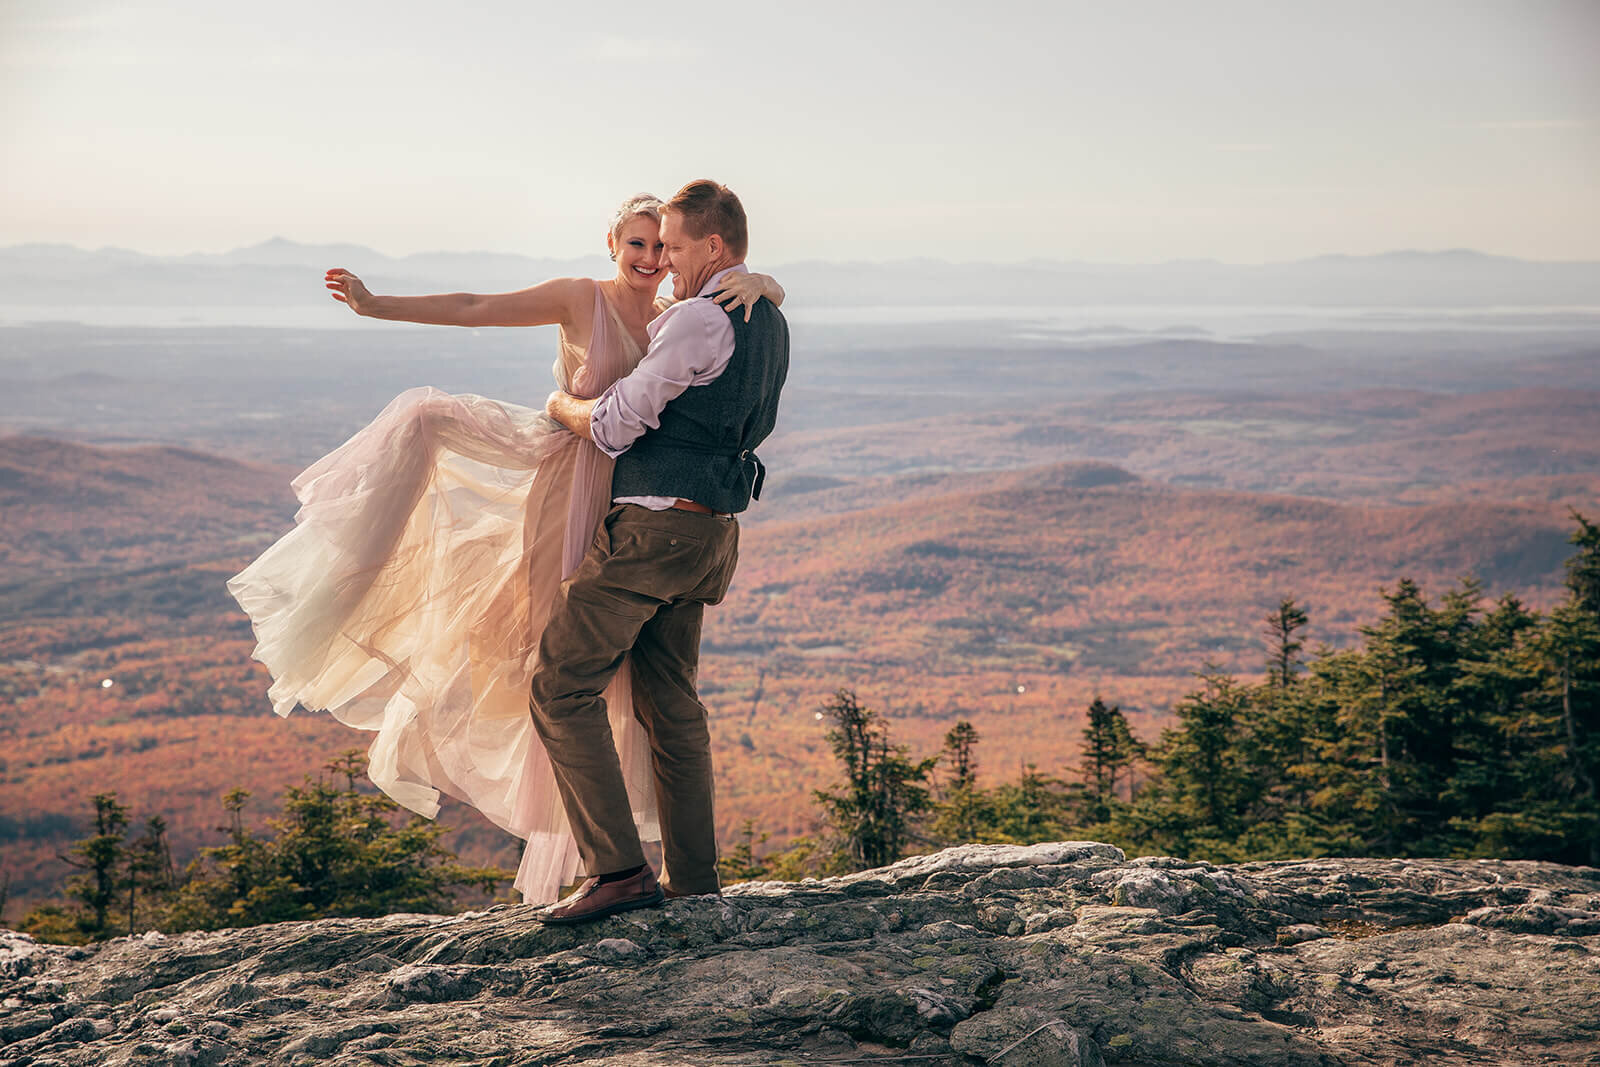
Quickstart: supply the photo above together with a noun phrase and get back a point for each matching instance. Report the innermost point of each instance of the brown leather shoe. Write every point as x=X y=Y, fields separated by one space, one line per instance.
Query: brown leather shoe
x=594 y=900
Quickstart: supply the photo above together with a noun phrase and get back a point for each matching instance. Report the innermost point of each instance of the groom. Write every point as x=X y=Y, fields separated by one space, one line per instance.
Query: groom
x=683 y=427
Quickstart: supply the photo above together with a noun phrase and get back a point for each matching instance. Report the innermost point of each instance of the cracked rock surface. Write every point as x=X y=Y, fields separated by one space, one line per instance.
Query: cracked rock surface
x=1065 y=954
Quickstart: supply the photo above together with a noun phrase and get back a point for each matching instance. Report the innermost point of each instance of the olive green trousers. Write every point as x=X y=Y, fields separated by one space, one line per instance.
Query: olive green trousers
x=640 y=592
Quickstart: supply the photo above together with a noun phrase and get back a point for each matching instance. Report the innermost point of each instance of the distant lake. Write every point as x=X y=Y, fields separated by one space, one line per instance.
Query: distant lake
x=1060 y=323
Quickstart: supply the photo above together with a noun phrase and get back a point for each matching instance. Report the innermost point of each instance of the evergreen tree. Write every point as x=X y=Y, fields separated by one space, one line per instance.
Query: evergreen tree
x=1201 y=757
x=1563 y=721
x=1332 y=782
x=884 y=792
x=1288 y=725
x=961 y=756
x=1203 y=788
x=100 y=856
x=1283 y=642
x=1405 y=712
x=95 y=893
x=963 y=813
x=1109 y=753
x=1285 y=817
x=1497 y=677
x=149 y=869
x=804 y=858
x=1034 y=808
x=1583 y=569
x=336 y=852
x=740 y=863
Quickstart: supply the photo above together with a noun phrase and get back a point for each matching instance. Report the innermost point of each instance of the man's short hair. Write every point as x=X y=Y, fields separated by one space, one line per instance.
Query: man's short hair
x=707 y=207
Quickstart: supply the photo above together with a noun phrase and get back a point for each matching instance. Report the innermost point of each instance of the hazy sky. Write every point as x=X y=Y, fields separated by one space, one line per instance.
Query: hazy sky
x=1133 y=131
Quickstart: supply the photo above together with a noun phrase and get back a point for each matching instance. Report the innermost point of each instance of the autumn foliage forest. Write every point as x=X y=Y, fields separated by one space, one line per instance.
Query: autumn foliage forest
x=945 y=562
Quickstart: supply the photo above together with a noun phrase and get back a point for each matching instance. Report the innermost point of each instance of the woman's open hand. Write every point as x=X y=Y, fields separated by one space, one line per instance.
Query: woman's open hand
x=741 y=289
x=347 y=289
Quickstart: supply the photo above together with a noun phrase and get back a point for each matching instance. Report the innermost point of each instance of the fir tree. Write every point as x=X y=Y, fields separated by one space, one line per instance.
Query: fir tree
x=1109 y=753
x=1032 y=809
x=1283 y=642
x=1498 y=676
x=1564 y=717
x=884 y=792
x=94 y=894
x=1407 y=713
x=740 y=863
x=1195 y=805
x=1583 y=568
x=335 y=852
x=149 y=868
x=100 y=856
x=963 y=813
x=960 y=755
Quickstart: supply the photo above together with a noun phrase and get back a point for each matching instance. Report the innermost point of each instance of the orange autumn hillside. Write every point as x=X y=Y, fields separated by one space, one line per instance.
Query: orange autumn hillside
x=1010 y=601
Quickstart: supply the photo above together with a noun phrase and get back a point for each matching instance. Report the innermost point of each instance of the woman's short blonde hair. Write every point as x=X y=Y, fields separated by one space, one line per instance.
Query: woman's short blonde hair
x=636 y=205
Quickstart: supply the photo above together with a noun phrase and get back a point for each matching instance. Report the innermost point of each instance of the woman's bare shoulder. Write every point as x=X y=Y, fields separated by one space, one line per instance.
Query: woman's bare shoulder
x=578 y=293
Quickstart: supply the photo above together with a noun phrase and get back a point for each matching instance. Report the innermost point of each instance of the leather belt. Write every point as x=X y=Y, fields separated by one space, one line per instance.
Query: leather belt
x=692 y=505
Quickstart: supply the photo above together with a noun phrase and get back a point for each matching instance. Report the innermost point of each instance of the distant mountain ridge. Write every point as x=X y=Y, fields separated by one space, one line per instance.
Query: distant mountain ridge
x=280 y=271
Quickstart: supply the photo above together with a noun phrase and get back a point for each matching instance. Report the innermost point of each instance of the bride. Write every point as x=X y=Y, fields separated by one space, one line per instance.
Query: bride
x=409 y=598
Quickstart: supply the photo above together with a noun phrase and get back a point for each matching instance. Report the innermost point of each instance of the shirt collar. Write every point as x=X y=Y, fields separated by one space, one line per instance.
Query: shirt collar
x=716 y=279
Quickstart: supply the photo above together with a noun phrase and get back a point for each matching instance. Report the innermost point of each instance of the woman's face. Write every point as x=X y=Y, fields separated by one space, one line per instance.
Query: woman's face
x=638 y=250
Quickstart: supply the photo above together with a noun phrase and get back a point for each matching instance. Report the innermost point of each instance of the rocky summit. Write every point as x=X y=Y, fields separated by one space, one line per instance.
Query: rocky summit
x=1058 y=954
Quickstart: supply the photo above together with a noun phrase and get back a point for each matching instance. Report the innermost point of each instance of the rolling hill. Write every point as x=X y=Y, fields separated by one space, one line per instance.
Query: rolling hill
x=71 y=507
x=1008 y=598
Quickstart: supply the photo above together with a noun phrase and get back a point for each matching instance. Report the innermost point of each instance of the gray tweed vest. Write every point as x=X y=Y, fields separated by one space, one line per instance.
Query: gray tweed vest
x=704 y=449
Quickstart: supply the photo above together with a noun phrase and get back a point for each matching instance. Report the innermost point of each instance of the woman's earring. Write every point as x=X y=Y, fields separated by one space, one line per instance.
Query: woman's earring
x=613 y=255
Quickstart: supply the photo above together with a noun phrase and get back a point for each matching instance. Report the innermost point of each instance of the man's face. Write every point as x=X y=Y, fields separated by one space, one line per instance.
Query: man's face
x=686 y=257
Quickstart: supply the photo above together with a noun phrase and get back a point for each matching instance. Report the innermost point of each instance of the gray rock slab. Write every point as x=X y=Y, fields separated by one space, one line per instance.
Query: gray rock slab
x=1062 y=954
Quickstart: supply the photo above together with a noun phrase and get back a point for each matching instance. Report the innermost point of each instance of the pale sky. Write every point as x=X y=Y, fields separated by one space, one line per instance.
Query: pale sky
x=862 y=130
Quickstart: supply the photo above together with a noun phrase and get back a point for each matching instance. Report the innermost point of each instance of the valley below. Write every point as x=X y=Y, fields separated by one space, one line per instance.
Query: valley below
x=986 y=521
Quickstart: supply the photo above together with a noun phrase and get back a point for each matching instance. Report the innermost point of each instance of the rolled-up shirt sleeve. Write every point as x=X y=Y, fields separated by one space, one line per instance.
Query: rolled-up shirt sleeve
x=690 y=344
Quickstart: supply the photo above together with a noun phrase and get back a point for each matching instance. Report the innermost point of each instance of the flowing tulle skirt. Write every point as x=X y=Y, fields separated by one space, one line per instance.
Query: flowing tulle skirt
x=409 y=598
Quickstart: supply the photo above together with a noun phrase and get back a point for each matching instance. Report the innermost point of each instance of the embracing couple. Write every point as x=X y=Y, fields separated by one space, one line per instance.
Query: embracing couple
x=511 y=599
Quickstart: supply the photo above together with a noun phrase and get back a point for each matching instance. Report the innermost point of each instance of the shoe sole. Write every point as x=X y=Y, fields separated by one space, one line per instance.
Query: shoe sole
x=603 y=913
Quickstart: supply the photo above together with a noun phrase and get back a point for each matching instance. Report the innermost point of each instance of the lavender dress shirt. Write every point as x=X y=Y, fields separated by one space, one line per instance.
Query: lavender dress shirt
x=690 y=344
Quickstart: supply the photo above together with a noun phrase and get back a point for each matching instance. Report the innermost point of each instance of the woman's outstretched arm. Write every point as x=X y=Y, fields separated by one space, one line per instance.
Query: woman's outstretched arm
x=560 y=300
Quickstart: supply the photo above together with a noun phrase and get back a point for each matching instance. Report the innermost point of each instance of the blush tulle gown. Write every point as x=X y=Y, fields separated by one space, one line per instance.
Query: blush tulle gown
x=409 y=598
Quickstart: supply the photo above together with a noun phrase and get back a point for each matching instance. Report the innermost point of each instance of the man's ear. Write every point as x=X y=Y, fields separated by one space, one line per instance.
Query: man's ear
x=714 y=245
